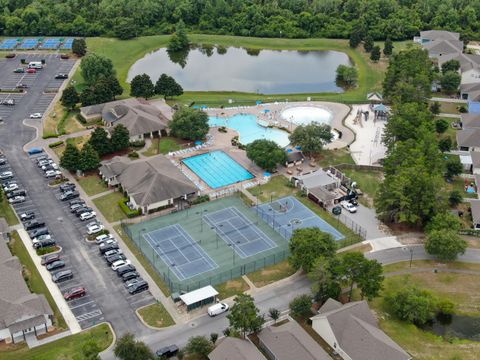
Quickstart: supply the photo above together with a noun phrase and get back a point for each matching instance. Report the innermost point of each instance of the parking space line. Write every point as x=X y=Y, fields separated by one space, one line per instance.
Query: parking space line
x=77 y=306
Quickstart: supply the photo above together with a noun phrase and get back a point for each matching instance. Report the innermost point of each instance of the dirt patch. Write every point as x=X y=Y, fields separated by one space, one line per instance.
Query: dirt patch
x=234 y=284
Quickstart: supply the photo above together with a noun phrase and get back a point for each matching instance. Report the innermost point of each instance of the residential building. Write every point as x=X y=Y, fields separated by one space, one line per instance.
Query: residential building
x=470 y=121
x=475 y=207
x=321 y=187
x=230 y=348
x=442 y=48
x=469 y=66
x=436 y=35
x=22 y=313
x=470 y=92
x=468 y=139
x=289 y=341
x=150 y=184
x=141 y=118
x=475 y=156
x=352 y=331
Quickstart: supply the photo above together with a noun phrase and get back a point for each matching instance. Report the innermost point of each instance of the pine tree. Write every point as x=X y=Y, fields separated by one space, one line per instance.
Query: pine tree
x=120 y=139
x=368 y=44
x=100 y=141
x=388 y=47
x=70 y=159
x=142 y=86
x=89 y=159
x=70 y=97
x=375 y=54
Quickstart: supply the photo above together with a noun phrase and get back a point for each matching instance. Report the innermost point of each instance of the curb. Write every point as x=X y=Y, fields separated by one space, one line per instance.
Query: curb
x=114 y=335
x=150 y=326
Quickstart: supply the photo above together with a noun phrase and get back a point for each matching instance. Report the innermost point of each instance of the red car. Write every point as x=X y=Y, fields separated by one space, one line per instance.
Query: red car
x=75 y=293
x=31 y=71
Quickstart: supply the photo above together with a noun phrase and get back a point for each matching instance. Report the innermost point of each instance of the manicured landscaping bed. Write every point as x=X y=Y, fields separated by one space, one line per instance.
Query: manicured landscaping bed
x=156 y=315
x=92 y=184
x=108 y=205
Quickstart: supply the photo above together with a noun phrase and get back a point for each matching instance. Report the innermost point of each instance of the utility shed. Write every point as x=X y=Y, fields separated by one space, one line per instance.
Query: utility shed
x=200 y=297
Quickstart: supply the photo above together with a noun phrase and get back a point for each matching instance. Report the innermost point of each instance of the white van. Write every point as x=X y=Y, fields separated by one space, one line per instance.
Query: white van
x=35 y=65
x=217 y=309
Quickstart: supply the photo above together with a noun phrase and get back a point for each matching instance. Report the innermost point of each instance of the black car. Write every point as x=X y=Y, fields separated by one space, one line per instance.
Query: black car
x=15 y=193
x=37 y=232
x=61 y=76
x=62 y=275
x=44 y=243
x=111 y=259
x=69 y=195
x=67 y=187
x=167 y=351
x=3 y=161
x=109 y=247
x=124 y=269
x=130 y=275
x=76 y=201
x=27 y=215
x=33 y=224
x=138 y=287
x=82 y=210
x=55 y=265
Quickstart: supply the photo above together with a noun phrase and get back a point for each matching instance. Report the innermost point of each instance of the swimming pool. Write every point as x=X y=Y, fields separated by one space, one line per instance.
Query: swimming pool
x=217 y=169
x=304 y=115
x=248 y=129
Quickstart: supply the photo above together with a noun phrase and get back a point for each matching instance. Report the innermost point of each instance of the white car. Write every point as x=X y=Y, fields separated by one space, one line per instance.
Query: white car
x=16 y=200
x=108 y=242
x=10 y=187
x=36 y=116
x=217 y=309
x=52 y=173
x=95 y=229
x=100 y=239
x=348 y=206
x=42 y=237
x=120 y=263
x=6 y=175
x=88 y=215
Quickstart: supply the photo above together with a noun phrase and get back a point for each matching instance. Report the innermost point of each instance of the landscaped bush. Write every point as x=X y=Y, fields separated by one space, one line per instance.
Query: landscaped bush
x=137 y=143
x=55 y=144
x=133 y=155
x=129 y=212
x=81 y=119
x=93 y=236
x=201 y=199
x=10 y=56
x=222 y=129
x=49 y=136
x=462 y=109
x=47 y=250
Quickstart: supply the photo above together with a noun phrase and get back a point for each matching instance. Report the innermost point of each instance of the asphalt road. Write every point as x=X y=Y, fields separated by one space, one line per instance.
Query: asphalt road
x=107 y=298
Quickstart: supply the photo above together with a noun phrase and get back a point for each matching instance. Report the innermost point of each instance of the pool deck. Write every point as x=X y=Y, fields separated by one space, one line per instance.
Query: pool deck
x=273 y=118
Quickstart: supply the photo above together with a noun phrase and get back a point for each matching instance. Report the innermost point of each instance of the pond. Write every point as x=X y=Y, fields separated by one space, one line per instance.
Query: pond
x=237 y=69
x=459 y=326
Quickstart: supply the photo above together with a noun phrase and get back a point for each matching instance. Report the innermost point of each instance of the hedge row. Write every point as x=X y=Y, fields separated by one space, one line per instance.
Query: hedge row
x=55 y=144
x=129 y=212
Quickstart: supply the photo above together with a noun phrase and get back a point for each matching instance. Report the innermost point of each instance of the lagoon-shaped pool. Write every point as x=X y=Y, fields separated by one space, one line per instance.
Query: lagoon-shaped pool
x=248 y=129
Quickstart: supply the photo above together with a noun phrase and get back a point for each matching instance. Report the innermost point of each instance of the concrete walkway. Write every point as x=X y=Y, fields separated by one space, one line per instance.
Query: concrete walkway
x=32 y=341
x=96 y=196
x=52 y=287
x=383 y=243
x=450 y=116
x=449 y=100
x=431 y=269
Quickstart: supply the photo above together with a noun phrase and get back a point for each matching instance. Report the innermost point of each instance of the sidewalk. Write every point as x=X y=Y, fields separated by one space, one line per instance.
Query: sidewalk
x=52 y=287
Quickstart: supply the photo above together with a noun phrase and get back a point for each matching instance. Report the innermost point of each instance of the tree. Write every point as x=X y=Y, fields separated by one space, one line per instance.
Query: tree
x=89 y=159
x=368 y=44
x=125 y=28
x=455 y=198
x=435 y=108
x=311 y=137
x=450 y=82
x=213 y=338
x=450 y=65
x=454 y=167
x=90 y=350
x=412 y=304
x=445 y=144
x=244 y=316
x=179 y=40
x=113 y=84
x=325 y=285
x=127 y=348
x=441 y=125
x=199 y=347
x=388 y=47
x=375 y=54
x=142 y=86
x=69 y=97
x=445 y=244
x=307 y=245
x=301 y=306
x=102 y=91
x=70 y=158
x=274 y=314
x=266 y=153
x=94 y=66
x=355 y=39
x=189 y=124
x=100 y=141
x=79 y=47
x=443 y=221
x=347 y=75
x=167 y=86
x=120 y=138
x=87 y=97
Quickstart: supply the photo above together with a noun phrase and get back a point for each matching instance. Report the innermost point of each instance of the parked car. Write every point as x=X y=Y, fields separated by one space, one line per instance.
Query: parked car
x=67 y=187
x=10 y=187
x=42 y=237
x=69 y=195
x=119 y=263
x=27 y=215
x=37 y=232
x=95 y=229
x=54 y=173
x=36 y=116
x=133 y=281
x=3 y=161
x=75 y=293
x=18 y=192
x=34 y=151
x=17 y=200
x=111 y=252
x=5 y=175
x=115 y=257
x=56 y=265
x=22 y=86
x=94 y=222
x=87 y=215
x=33 y=224
x=354 y=202
x=44 y=161
x=62 y=275
x=76 y=206
x=81 y=210
x=101 y=238
x=348 y=206
x=108 y=242
x=130 y=276
x=50 y=258
x=217 y=309
x=124 y=269
x=61 y=76
x=8 y=102
x=31 y=71
x=19 y=70
x=167 y=351
x=76 y=201
x=138 y=287
x=105 y=249
x=44 y=243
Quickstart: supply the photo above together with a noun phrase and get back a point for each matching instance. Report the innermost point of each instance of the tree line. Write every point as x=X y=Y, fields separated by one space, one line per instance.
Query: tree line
x=396 y=19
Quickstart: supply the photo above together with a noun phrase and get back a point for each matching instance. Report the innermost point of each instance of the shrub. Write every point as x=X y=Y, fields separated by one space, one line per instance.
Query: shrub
x=222 y=129
x=93 y=236
x=200 y=199
x=133 y=155
x=81 y=119
x=137 y=143
x=455 y=198
x=55 y=144
x=462 y=109
x=301 y=306
x=49 y=136
x=46 y=250
x=441 y=126
x=129 y=212
x=10 y=56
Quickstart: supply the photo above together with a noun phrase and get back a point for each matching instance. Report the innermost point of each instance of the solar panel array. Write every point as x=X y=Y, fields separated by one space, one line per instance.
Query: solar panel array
x=32 y=43
x=8 y=44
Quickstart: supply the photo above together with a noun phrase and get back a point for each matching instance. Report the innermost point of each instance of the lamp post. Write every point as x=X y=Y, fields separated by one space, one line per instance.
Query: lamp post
x=201 y=213
x=411 y=255
x=272 y=194
x=140 y=238
x=232 y=245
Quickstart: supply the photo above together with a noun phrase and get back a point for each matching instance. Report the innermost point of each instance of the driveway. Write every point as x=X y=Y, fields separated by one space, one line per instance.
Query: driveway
x=364 y=218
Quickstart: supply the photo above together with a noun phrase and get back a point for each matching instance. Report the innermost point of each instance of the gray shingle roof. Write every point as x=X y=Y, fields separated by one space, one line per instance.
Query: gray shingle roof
x=475 y=206
x=475 y=155
x=444 y=47
x=230 y=348
x=470 y=121
x=357 y=333
x=468 y=137
x=439 y=35
x=316 y=178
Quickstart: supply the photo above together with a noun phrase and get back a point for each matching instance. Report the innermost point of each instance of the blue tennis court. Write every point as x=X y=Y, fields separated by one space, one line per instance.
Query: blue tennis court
x=217 y=169
x=67 y=44
x=28 y=44
x=179 y=252
x=287 y=214
x=50 y=44
x=239 y=232
x=8 y=44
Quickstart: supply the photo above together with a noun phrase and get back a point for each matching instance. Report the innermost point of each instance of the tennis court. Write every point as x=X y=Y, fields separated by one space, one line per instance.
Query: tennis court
x=239 y=232
x=8 y=44
x=179 y=252
x=67 y=44
x=287 y=214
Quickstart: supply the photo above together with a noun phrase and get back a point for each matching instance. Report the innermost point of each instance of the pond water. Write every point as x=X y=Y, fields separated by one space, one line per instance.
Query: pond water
x=237 y=69
x=460 y=326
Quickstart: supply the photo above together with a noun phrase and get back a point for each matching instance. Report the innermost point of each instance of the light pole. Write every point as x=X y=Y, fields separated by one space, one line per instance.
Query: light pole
x=411 y=255
x=272 y=194
x=140 y=238
x=232 y=245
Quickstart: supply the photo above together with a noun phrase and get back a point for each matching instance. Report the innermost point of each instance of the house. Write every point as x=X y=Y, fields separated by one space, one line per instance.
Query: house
x=470 y=92
x=470 y=121
x=230 y=348
x=22 y=313
x=469 y=66
x=289 y=341
x=150 y=184
x=435 y=35
x=352 y=331
x=468 y=139
x=321 y=187
x=141 y=118
x=439 y=49
x=475 y=207
x=475 y=158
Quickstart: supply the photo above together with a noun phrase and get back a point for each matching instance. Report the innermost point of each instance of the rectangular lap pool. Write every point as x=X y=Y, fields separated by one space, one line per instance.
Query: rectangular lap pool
x=217 y=169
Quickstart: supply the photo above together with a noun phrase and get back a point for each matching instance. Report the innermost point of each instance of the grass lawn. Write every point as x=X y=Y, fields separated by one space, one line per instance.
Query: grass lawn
x=426 y=264
x=68 y=348
x=231 y=288
x=276 y=188
x=77 y=141
x=333 y=157
x=450 y=108
x=156 y=315
x=6 y=211
x=163 y=145
x=60 y=122
x=368 y=181
x=143 y=260
x=363 y=248
x=124 y=53
x=459 y=184
x=92 y=184
x=451 y=133
x=108 y=205
x=271 y=274
x=33 y=278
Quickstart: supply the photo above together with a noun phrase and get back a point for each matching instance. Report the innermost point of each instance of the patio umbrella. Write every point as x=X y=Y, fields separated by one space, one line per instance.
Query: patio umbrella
x=266 y=174
x=266 y=111
x=198 y=142
x=196 y=107
x=258 y=102
x=298 y=147
x=289 y=150
x=204 y=107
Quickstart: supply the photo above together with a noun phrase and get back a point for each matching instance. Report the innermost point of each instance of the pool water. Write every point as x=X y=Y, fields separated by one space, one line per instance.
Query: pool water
x=248 y=129
x=217 y=169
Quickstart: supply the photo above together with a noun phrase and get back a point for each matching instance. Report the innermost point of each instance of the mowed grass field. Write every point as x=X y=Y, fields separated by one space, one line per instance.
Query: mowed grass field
x=124 y=53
